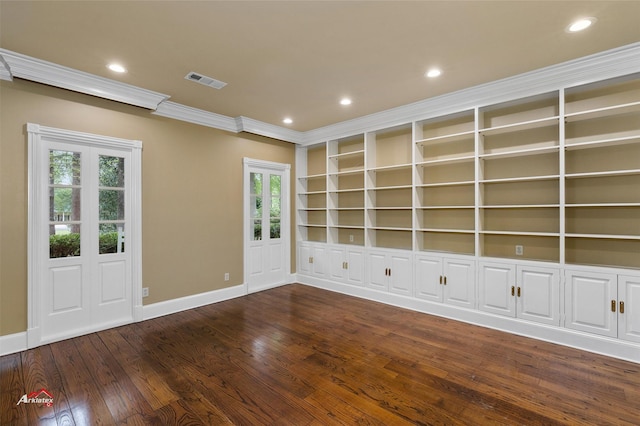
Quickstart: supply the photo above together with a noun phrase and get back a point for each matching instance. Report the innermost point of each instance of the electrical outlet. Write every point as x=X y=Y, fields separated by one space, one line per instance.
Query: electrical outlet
x=351 y=238
x=145 y=292
x=226 y=276
x=519 y=250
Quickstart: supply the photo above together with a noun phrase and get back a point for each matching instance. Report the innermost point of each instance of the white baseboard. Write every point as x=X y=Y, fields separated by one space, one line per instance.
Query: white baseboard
x=12 y=343
x=167 y=307
x=602 y=345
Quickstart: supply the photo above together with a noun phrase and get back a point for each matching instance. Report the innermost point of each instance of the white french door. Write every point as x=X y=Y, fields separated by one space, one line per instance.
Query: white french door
x=267 y=236
x=84 y=233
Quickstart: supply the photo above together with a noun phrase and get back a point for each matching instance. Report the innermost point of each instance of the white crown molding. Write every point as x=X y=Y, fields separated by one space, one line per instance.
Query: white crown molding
x=196 y=116
x=33 y=69
x=600 y=66
x=5 y=72
x=250 y=125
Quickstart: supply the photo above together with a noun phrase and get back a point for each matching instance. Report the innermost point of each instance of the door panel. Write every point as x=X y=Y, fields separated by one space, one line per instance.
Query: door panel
x=496 y=281
x=428 y=276
x=267 y=230
x=629 y=312
x=588 y=299
x=539 y=295
x=459 y=287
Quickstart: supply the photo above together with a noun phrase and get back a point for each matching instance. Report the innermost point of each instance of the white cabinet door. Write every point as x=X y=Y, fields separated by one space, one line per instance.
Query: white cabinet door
x=355 y=266
x=459 y=283
x=378 y=271
x=629 y=308
x=390 y=271
x=428 y=278
x=337 y=269
x=304 y=259
x=523 y=291
x=591 y=302
x=346 y=265
x=538 y=294
x=497 y=288
x=400 y=276
x=318 y=261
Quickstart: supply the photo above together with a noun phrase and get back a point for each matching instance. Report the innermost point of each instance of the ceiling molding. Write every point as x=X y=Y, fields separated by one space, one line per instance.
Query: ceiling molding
x=608 y=64
x=28 y=68
x=5 y=73
x=600 y=66
x=257 y=127
x=196 y=116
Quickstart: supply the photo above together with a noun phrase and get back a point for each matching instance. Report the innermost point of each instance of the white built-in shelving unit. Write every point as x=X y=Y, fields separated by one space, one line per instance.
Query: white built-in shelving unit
x=526 y=208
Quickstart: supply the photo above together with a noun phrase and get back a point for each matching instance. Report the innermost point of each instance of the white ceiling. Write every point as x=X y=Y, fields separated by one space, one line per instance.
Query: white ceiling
x=298 y=58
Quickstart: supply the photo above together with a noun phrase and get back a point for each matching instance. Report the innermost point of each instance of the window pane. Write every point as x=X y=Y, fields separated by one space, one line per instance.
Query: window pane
x=275 y=185
x=275 y=208
x=64 y=168
x=275 y=228
x=111 y=238
x=255 y=184
x=111 y=171
x=256 y=206
x=256 y=226
x=63 y=242
x=64 y=204
x=111 y=204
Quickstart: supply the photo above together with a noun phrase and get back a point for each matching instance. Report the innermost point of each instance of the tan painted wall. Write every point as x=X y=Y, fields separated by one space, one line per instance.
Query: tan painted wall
x=191 y=192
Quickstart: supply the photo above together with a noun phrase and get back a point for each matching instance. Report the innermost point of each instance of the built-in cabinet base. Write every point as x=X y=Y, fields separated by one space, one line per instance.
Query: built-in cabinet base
x=589 y=308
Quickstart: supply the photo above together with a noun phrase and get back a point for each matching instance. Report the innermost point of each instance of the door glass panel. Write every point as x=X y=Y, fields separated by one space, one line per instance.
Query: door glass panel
x=255 y=188
x=111 y=236
x=111 y=204
x=111 y=171
x=64 y=203
x=274 y=211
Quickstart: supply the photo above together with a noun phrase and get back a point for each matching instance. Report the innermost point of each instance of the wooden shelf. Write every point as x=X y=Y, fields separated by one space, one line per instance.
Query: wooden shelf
x=456 y=137
x=517 y=127
x=603 y=112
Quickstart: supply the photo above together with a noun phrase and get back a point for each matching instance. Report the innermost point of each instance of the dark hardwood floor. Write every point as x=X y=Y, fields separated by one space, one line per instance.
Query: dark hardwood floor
x=297 y=355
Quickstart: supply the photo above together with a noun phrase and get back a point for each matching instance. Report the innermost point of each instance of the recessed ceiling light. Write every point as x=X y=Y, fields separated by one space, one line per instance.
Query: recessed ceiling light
x=432 y=73
x=287 y=121
x=345 y=101
x=580 y=24
x=117 y=68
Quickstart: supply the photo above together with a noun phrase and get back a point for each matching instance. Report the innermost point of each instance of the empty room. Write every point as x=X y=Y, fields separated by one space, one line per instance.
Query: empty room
x=319 y=212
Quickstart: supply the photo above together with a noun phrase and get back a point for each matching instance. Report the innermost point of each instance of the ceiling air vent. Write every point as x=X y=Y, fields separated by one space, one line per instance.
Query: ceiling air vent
x=203 y=79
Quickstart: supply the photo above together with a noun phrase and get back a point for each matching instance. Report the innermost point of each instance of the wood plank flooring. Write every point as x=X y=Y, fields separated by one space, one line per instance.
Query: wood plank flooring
x=298 y=355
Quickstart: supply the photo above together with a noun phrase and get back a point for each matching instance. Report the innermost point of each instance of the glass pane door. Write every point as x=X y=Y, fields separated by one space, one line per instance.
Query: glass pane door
x=64 y=203
x=111 y=204
x=255 y=192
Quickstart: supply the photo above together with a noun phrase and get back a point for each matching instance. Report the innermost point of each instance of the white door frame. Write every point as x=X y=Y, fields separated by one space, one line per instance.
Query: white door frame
x=37 y=255
x=285 y=217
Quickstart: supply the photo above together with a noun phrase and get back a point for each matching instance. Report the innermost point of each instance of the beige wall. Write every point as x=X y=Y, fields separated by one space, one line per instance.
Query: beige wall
x=191 y=192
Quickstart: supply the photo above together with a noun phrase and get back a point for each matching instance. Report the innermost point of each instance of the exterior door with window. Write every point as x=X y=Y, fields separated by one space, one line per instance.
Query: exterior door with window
x=82 y=242
x=266 y=224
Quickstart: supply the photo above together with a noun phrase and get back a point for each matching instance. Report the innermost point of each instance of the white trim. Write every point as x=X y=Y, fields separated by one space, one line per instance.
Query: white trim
x=173 y=306
x=285 y=213
x=600 y=66
x=33 y=69
x=615 y=348
x=196 y=116
x=12 y=343
x=35 y=258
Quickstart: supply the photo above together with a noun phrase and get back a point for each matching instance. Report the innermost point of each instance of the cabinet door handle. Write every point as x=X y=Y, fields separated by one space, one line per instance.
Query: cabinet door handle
x=440 y=279
x=389 y=271
x=310 y=259
x=513 y=290
x=346 y=265
x=445 y=280
x=621 y=307
x=613 y=306
x=519 y=292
